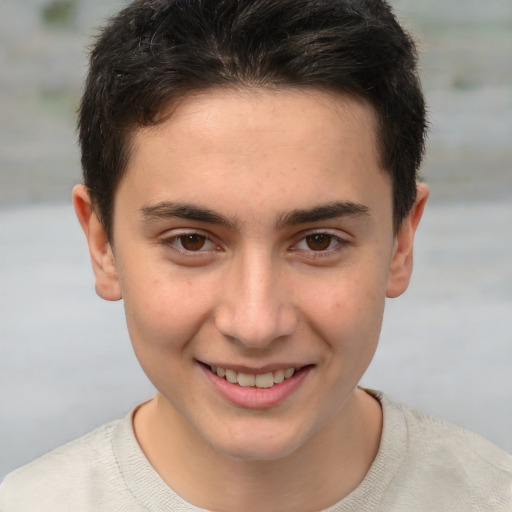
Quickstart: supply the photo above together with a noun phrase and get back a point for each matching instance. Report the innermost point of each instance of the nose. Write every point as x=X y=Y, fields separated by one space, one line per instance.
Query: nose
x=256 y=306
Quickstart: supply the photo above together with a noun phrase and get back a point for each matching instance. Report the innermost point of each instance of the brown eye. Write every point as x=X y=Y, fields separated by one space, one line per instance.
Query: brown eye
x=318 y=241
x=192 y=242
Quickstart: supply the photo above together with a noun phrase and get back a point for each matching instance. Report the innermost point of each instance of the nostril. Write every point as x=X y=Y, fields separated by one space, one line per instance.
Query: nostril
x=256 y=327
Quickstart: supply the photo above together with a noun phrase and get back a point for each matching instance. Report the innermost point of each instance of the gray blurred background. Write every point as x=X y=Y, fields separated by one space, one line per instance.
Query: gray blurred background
x=65 y=359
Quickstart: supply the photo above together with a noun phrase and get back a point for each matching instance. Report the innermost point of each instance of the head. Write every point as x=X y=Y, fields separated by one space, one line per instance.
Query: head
x=250 y=171
x=156 y=52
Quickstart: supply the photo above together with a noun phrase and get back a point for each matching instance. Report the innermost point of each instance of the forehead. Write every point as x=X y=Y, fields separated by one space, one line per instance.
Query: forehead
x=263 y=110
x=227 y=144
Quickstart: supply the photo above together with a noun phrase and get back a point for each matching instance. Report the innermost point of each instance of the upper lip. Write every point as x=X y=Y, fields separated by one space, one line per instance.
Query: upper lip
x=268 y=368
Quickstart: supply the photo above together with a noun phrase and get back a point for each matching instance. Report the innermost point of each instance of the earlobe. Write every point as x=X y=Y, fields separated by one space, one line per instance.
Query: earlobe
x=402 y=262
x=102 y=256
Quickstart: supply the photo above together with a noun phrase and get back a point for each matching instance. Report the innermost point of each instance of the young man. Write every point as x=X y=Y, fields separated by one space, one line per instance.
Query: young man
x=251 y=194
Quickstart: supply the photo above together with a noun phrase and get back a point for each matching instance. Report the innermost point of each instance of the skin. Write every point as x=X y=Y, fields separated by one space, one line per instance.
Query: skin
x=262 y=284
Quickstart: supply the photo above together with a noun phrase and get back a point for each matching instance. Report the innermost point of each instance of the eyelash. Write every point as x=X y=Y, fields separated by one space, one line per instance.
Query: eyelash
x=176 y=238
x=172 y=241
x=340 y=244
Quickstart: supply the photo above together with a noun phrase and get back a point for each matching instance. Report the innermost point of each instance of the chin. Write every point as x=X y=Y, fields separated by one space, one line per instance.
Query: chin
x=272 y=446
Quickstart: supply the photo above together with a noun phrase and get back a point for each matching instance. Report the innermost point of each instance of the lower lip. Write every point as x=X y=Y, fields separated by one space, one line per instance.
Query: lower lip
x=253 y=397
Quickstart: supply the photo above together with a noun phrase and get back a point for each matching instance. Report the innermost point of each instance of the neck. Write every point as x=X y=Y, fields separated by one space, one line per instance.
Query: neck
x=329 y=466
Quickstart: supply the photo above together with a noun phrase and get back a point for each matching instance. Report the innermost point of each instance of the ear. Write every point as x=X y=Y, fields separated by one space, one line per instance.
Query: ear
x=102 y=256
x=401 y=264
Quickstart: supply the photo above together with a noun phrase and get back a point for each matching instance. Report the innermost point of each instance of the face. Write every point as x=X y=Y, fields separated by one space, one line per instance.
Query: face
x=253 y=248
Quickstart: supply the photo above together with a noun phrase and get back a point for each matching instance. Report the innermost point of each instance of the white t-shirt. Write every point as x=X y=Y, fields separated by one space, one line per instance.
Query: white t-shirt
x=423 y=465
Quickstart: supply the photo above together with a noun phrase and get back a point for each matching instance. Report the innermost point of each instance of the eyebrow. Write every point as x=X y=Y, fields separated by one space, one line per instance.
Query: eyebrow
x=323 y=212
x=166 y=210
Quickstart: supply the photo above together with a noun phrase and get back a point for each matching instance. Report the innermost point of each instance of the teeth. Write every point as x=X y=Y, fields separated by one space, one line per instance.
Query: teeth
x=289 y=372
x=265 y=380
x=262 y=380
x=278 y=376
x=246 y=380
x=231 y=376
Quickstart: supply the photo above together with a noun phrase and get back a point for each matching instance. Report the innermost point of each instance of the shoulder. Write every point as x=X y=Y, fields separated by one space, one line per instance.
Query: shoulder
x=75 y=473
x=436 y=437
x=444 y=463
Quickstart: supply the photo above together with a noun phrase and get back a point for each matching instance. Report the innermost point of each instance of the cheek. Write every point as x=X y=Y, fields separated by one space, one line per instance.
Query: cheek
x=164 y=316
x=348 y=315
x=164 y=312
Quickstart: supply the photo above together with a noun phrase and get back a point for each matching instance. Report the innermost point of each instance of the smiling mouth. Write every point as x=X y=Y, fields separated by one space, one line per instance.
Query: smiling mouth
x=262 y=380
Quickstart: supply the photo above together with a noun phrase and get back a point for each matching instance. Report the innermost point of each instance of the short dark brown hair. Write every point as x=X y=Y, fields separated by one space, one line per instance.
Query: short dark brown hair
x=155 y=51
